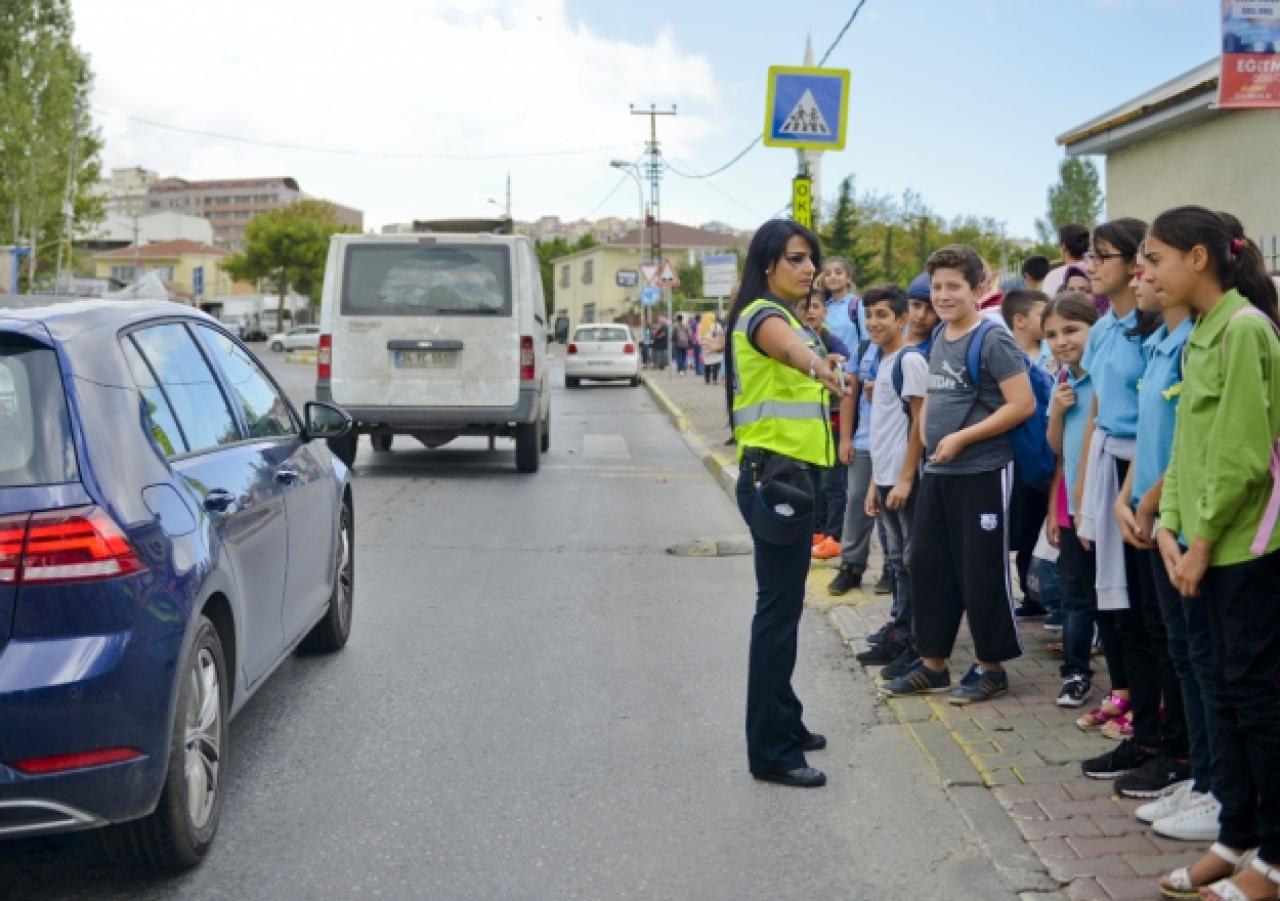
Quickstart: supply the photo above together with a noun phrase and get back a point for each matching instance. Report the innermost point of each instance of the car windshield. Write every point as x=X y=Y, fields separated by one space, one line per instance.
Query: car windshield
x=427 y=280
x=602 y=333
x=35 y=433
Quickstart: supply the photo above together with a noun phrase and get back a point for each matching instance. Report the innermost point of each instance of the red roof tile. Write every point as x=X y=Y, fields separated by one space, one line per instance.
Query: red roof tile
x=162 y=250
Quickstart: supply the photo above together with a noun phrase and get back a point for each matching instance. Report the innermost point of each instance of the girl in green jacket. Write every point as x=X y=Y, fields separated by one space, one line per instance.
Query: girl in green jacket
x=1217 y=526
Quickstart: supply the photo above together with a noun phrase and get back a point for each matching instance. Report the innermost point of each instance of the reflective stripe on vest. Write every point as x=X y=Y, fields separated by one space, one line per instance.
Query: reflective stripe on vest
x=776 y=408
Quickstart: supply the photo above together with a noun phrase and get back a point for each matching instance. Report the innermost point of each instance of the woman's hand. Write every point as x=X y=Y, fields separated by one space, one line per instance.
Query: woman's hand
x=1190 y=569
x=830 y=372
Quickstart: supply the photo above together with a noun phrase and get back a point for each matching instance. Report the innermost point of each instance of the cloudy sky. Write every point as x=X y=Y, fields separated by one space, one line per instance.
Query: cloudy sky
x=420 y=108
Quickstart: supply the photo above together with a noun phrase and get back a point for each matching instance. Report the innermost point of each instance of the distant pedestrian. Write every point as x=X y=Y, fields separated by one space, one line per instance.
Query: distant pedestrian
x=712 y=341
x=1073 y=243
x=777 y=399
x=661 y=342
x=1034 y=270
x=681 y=341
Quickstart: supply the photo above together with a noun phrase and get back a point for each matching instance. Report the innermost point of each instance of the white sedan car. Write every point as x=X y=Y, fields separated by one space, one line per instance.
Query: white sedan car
x=604 y=352
x=306 y=337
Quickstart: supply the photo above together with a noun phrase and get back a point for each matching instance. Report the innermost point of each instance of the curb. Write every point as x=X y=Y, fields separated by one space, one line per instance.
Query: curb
x=960 y=777
x=721 y=466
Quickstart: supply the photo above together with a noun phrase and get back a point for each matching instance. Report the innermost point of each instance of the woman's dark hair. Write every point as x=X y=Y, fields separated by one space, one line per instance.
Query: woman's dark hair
x=1070 y=305
x=1126 y=236
x=1237 y=261
x=1075 y=238
x=768 y=245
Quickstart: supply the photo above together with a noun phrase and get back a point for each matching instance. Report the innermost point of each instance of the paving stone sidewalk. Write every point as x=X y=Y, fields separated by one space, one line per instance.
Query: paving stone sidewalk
x=1021 y=750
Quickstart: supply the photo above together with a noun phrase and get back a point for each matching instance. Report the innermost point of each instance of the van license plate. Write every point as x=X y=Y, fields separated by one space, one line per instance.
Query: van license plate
x=426 y=359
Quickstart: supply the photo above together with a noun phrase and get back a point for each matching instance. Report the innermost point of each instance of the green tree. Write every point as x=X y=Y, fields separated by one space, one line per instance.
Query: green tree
x=552 y=250
x=44 y=94
x=287 y=247
x=846 y=235
x=690 y=276
x=1077 y=197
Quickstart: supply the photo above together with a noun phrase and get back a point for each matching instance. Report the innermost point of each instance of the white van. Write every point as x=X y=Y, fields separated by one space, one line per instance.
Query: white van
x=436 y=335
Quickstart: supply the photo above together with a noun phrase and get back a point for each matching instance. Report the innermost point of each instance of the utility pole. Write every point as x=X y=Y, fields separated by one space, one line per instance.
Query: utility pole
x=63 y=282
x=654 y=168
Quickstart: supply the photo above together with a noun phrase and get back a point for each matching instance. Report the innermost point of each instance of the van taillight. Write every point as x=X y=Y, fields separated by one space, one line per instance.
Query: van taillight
x=324 y=357
x=628 y=348
x=64 y=546
x=526 y=358
x=571 y=349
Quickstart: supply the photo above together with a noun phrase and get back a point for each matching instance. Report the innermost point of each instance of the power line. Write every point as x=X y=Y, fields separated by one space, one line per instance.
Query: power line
x=757 y=139
x=614 y=190
x=337 y=151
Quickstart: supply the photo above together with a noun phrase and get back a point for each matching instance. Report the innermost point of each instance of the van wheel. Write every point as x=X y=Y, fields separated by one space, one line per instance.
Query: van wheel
x=332 y=632
x=546 y=434
x=178 y=834
x=380 y=442
x=570 y=381
x=528 y=446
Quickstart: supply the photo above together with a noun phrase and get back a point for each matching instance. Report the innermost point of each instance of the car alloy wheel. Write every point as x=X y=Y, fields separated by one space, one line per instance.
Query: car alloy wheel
x=203 y=744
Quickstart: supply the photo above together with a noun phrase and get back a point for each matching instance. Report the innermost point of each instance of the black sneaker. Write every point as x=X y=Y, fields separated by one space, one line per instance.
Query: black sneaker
x=846 y=580
x=900 y=665
x=1126 y=756
x=1154 y=778
x=885 y=585
x=887 y=651
x=880 y=634
x=1075 y=691
x=1030 y=609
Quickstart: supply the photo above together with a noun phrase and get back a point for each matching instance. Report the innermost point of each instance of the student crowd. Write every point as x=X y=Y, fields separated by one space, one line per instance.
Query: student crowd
x=1114 y=425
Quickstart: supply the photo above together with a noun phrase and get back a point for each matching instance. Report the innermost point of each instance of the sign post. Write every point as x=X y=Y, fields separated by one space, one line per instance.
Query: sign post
x=806 y=109
x=719 y=272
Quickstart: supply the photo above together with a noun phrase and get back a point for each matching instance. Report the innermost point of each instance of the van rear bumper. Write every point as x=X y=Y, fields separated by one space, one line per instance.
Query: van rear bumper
x=527 y=409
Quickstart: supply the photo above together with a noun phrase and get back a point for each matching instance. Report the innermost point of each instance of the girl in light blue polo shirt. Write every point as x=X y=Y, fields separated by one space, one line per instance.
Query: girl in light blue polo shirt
x=1190 y=812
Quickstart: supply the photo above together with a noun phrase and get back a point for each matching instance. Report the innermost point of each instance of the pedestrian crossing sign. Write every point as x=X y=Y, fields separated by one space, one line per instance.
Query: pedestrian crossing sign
x=806 y=109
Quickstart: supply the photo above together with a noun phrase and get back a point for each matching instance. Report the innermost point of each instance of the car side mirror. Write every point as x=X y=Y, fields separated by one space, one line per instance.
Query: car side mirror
x=325 y=420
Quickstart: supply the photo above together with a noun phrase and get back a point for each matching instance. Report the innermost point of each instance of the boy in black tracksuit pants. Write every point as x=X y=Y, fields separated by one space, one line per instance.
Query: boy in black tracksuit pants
x=959 y=560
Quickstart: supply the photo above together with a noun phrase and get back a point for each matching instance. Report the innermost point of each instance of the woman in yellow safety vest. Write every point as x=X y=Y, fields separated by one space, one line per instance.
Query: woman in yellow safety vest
x=777 y=393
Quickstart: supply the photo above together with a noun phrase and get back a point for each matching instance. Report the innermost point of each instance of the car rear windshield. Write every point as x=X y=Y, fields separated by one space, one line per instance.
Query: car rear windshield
x=427 y=280
x=35 y=433
x=604 y=333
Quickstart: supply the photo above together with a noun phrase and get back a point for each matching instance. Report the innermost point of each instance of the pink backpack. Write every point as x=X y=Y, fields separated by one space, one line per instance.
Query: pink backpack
x=1271 y=514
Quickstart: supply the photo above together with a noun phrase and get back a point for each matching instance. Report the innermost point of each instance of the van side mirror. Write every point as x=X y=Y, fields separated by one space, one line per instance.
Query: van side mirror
x=325 y=420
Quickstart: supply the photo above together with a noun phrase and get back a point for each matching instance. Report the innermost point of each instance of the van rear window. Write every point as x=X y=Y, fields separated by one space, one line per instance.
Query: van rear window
x=426 y=280
x=35 y=433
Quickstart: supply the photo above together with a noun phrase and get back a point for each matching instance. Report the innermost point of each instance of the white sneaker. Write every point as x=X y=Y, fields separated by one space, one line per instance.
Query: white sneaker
x=1166 y=805
x=1195 y=822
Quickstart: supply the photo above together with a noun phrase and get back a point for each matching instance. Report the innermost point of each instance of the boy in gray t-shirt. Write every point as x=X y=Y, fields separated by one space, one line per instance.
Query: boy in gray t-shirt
x=959 y=560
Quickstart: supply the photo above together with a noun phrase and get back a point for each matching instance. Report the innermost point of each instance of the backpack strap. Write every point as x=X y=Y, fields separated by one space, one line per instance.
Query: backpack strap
x=898 y=378
x=973 y=358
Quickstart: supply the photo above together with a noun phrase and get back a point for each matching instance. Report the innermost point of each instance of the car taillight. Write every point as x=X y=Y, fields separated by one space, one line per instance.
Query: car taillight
x=324 y=357
x=526 y=358
x=628 y=348
x=571 y=349
x=64 y=546
x=57 y=763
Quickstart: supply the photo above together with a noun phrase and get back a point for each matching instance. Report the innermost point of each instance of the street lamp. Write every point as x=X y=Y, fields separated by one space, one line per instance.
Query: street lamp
x=630 y=169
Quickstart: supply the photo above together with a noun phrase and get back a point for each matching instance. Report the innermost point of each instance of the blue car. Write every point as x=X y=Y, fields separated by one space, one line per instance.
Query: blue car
x=170 y=531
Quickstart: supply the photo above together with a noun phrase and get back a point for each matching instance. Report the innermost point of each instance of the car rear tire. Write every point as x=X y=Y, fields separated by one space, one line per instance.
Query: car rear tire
x=528 y=446
x=635 y=381
x=277 y=346
x=180 y=831
x=381 y=443
x=332 y=632
x=571 y=381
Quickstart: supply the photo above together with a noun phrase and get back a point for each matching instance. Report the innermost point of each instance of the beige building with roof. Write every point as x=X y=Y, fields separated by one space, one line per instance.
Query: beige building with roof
x=587 y=285
x=1173 y=146
x=174 y=262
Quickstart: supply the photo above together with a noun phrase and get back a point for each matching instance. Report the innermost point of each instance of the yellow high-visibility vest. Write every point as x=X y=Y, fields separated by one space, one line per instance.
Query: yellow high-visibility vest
x=776 y=408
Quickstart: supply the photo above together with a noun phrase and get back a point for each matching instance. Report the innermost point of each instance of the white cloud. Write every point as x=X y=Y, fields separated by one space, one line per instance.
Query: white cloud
x=478 y=77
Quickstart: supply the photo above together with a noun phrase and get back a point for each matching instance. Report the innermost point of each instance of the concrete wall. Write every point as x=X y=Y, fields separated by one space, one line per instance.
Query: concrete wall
x=1226 y=163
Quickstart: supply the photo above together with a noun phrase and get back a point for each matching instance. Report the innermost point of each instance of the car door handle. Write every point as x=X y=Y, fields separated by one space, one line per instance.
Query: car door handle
x=219 y=500
x=286 y=476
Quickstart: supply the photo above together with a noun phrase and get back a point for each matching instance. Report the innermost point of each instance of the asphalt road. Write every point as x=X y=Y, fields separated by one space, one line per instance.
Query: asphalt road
x=538 y=702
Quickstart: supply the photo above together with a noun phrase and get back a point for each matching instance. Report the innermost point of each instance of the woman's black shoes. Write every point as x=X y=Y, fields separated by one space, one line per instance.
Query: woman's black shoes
x=815 y=742
x=800 y=777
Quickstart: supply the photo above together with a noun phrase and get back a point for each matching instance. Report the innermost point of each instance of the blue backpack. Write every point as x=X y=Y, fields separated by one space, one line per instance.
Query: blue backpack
x=1033 y=460
x=897 y=376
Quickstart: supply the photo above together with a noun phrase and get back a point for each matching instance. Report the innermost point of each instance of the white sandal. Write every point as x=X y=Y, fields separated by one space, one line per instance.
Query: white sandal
x=1229 y=891
x=1180 y=887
